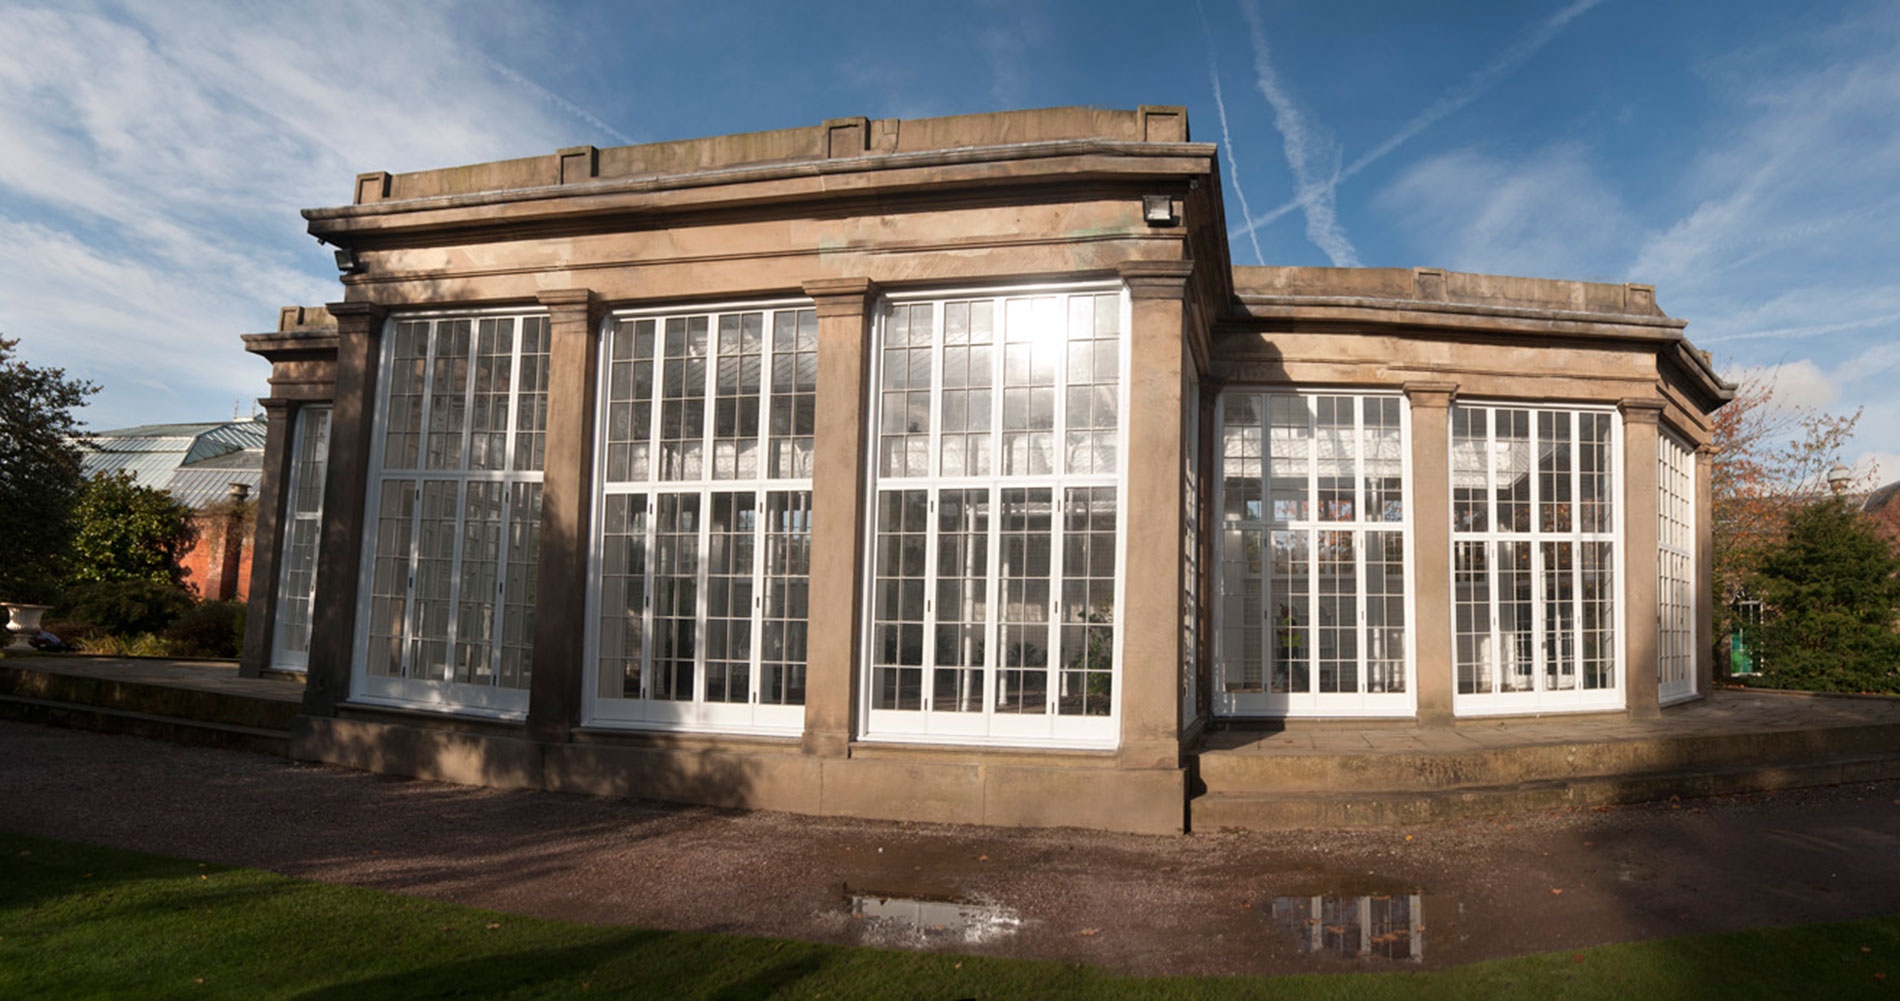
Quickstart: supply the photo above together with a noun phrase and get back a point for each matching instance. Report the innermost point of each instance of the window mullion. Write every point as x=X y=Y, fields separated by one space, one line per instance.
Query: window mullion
x=993 y=590
x=755 y=652
x=509 y=429
x=702 y=598
x=650 y=578
x=1058 y=541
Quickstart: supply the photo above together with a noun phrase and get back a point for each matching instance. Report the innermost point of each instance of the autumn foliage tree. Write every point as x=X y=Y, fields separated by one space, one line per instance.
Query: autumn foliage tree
x=1769 y=462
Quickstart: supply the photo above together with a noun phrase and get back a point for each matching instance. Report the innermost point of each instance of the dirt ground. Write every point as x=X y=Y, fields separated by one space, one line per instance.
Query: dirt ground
x=1405 y=898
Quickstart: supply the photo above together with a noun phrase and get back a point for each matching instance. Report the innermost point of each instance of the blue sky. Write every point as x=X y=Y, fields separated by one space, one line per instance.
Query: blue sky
x=1743 y=158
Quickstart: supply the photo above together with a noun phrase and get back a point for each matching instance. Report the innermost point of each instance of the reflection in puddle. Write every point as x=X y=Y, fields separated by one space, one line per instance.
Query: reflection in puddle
x=1380 y=926
x=932 y=922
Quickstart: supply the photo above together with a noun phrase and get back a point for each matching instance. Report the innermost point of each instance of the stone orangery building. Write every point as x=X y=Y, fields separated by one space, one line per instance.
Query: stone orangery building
x=943 y=470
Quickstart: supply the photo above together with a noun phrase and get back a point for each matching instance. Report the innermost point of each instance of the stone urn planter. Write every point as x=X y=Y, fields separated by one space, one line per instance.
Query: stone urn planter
x=23 y=622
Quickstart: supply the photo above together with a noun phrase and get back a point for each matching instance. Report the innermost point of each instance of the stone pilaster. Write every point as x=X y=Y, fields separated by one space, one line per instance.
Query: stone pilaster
x=267 y=540
x=846 y=308
x=1431 y=548
x=359 y=328
x=1152 y=509
x=1639 y=570
x=560 y=616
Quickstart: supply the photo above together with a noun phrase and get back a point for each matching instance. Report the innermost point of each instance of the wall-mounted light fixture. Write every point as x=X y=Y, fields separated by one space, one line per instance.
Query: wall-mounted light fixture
x=346 y=261
x=1158 y=210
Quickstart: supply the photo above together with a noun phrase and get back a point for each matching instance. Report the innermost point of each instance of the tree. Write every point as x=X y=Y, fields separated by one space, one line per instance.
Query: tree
x=39 y=474
x=1769 y=461
x=123 y=531
x=1831 y=590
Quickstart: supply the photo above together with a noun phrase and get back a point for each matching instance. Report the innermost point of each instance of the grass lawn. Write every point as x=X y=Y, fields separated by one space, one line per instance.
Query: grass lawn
x=79 y=921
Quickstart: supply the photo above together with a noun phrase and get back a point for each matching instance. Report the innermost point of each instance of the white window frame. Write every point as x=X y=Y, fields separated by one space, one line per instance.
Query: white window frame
x=1539 y=700
x=490 y=700
x=282 y=657
x=1314 y=703
x=1677 y=611
x=752 y=716
x=990 y=728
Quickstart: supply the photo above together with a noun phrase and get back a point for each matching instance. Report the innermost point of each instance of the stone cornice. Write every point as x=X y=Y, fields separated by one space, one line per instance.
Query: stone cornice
x=1437 y=395
x=835 y=297
x=1156 y=279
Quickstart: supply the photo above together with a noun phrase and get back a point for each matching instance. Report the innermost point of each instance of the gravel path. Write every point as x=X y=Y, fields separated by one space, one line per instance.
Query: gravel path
x=1209 y=903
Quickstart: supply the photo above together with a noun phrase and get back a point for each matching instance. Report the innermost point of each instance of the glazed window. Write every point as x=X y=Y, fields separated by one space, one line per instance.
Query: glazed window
x=1533 y=558
x=1313 y=603
x=455 y=499
x=704 y=548
x=1675 y=568
x=995 y=519
x=303 y=528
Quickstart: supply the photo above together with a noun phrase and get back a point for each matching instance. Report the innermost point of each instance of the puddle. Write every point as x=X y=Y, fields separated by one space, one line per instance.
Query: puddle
x=919 y=921
x=1367 y=927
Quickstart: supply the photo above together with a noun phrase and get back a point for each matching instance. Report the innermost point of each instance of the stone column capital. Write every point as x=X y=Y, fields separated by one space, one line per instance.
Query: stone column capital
x=1641 y=411
x=1156 y=279
x=841 y=296
x=569 y=298
x=1436 y=395
x=357 y=317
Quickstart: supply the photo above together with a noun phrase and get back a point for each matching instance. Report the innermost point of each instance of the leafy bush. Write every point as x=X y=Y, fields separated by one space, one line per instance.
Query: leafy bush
x=211 y=629
x=123 y=531
x=122 y=607
x=1831 y=590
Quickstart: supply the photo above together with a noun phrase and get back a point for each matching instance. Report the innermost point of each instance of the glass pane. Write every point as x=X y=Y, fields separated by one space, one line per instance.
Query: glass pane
x=623 y=567
x=1033 y=345
x=1094 y=376
x=1292 y=614
x=1560 y=616
x=389 y=578
x=1553 y=472
x=488 y=409
x=962 y=601
x=519 y=584
x=435 y=575
x=897 y=599
x=629 y=401
x=1026 y=531
x=312 y=460
x=683 y=398
x=402 y=424
x=1511 y=451
x=1516 y=630
x=1597 y=601
x=1385 y=611
x=1471 y=611
x=1470 y=451
x=1338 y=625
x=531 y=396
x=787 y=598
x=1336 y=446
x=904 y=407
x=478 y=576
x=738 y=378
x=1382 y=457
x=1240 y=457
x=1088 y=602
x=1594 y=500
x=968 y=377
x=675 y=597
x=731 y=530
x=1290 y=457
x=794 y=392
x=448 y=396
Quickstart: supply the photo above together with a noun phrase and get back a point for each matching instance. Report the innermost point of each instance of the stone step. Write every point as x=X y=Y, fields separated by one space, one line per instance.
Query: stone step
x=24 y=679
x=174 y=729
x=1216 y=811
x=1255 y=768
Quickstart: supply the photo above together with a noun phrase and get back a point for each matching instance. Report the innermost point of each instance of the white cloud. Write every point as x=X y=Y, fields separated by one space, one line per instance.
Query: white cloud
x=1546 y=214
x=156 y=159
x=1799 y=384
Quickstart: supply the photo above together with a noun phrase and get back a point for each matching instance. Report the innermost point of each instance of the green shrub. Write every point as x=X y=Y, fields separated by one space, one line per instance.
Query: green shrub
x=211 y=629
x=122 y=607
x=1831 y=590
